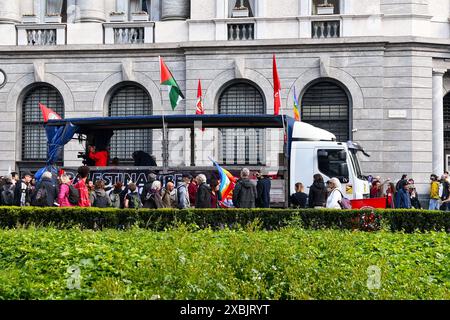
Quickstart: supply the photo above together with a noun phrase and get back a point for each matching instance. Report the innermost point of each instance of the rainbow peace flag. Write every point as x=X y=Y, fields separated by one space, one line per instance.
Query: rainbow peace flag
x=296 y=108
x=227 y=181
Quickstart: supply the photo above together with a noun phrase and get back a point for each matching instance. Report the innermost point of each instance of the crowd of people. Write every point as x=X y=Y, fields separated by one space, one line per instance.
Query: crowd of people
x=400 y=195
x=403 y=194
x=195 y=192
x=191 y=192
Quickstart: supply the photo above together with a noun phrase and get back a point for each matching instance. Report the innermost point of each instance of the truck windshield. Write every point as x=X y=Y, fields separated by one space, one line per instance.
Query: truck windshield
x=355 y=164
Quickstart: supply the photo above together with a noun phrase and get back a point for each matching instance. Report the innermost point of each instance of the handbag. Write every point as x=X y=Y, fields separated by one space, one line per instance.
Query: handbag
x=345 y=202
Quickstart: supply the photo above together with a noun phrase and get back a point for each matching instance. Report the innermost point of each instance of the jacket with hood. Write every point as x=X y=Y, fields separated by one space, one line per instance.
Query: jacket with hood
x=317 y=195
x=101 y=199
x=335 y=196
x=244 y=194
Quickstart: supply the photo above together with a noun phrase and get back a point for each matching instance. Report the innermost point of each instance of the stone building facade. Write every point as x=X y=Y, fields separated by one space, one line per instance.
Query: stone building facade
x=371 y=71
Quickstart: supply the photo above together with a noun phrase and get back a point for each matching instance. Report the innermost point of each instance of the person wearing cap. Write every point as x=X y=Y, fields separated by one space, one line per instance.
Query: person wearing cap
x=403 y=200
x=22 y=190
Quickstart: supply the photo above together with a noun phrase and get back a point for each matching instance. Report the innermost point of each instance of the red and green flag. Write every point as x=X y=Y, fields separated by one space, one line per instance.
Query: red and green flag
x=167 y=79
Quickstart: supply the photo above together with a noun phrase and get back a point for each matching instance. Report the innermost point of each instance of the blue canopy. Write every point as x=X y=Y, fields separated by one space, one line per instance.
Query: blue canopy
x=57 y=138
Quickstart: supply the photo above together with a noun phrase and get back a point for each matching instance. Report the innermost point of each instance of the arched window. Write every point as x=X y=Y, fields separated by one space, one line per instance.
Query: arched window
x=325 y=104
x=34 y=140
x=130 y=100
x=241 y=146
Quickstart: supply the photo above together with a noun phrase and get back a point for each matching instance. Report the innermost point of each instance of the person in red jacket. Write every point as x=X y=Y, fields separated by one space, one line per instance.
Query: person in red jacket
x=99 y=157
x=83 y=173
x=192 y=191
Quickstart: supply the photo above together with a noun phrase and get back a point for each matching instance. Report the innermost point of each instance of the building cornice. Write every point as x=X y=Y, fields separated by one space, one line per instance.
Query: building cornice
x=334 y=44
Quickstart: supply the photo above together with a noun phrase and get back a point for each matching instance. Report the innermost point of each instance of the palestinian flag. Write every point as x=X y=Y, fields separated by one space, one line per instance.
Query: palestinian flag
x=167 y=79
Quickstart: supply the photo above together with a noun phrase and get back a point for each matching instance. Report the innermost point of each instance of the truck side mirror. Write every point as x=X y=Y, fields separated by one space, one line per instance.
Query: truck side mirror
x=343 y=155
x=343 y=170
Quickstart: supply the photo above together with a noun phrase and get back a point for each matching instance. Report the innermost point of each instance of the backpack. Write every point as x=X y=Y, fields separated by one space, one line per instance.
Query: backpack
x=134 y=201
x=41 y=197
x=146 y=191
x=115 y=199
x=74 y=195
x=345 y=202
x=7 y=196
x=100 y=201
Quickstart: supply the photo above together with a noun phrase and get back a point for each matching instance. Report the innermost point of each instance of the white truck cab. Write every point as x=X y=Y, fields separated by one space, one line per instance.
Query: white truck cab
x=314 y=150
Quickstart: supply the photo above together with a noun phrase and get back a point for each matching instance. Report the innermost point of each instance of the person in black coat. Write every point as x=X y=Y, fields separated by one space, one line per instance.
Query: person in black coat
x=263 y=191
x=317 y=193
x=298 y=199
x=51 y=191
x=203 y=198
x=244 y=193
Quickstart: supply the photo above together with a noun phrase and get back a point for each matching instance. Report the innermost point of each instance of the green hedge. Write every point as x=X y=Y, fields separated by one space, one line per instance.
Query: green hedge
x=269 y=219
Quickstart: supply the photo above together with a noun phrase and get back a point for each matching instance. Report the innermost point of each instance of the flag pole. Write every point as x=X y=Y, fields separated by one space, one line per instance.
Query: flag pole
x=164 y=149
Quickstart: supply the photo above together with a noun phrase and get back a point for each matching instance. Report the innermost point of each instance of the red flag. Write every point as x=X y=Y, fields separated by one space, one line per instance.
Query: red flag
x=276 y=89
x=48 y=113
x=199 y=109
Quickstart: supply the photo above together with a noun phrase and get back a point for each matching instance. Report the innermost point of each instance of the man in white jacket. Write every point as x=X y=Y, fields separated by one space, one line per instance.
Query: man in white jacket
x=335 y=194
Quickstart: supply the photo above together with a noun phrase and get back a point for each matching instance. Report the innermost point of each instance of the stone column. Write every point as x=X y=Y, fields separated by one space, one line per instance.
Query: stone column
x=9 y=11
x=175 y=9
x=91 y=11
x=438 y=121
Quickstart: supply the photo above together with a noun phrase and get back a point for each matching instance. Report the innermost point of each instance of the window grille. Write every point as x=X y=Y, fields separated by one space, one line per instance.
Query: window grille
x=447 y=122
x=326 y=105
x=241 y=146
x=130 y=100
x=34 y=140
